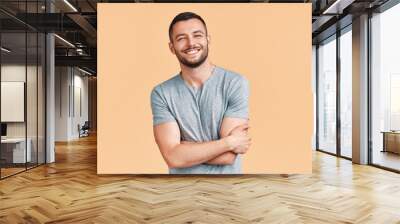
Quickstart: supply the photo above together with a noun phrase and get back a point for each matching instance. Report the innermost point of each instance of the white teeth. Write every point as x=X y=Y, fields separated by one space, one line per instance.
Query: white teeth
x=192 y=51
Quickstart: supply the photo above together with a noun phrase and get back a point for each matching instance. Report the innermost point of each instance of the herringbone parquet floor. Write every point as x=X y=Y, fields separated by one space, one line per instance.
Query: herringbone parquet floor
x=69 y=191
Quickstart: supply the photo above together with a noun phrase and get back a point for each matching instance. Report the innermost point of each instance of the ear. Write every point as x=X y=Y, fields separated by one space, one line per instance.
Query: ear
x=208 y=39
x=171 y=48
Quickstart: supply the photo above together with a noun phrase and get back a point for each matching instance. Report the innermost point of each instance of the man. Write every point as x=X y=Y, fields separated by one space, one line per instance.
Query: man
x=200 y=116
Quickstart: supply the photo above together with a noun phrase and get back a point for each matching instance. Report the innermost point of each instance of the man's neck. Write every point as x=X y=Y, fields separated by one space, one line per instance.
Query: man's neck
x=197 y=76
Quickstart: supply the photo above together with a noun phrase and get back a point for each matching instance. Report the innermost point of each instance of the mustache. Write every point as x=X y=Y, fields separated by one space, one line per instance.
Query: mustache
x=192 y=48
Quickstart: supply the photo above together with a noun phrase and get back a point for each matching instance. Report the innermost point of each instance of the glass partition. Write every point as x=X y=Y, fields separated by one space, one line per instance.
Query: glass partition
x=22 y=77
x=346 y=93
x=13 y=95
x=385 y=89
x=327 y=95
x=32 y=95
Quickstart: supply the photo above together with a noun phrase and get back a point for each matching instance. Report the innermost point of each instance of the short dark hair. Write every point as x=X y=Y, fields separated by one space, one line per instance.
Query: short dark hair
x=183 y=17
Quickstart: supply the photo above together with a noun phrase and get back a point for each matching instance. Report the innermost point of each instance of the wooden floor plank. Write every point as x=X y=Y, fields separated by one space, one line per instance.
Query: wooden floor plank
x=70 y=191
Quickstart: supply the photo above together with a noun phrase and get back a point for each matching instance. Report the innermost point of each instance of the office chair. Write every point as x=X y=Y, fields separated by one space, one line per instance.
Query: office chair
x=84 y=130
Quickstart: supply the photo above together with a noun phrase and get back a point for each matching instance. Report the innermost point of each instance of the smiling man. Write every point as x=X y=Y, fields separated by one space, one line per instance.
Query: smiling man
x=200 y=116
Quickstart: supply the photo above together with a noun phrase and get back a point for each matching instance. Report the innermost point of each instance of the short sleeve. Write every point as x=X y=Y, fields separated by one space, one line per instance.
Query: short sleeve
x=238 y=99
x=159 y=108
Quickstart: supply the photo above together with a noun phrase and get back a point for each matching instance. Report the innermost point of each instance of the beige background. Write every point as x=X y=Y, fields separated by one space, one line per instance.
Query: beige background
x=270 y=44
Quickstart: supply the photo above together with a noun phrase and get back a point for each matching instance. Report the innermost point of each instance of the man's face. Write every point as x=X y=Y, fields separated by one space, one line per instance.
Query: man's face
x=189 y=42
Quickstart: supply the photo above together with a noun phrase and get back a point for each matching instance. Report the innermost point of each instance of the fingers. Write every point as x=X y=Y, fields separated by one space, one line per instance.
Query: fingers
x=239 y=139
x=244 y=145
x=240 y=129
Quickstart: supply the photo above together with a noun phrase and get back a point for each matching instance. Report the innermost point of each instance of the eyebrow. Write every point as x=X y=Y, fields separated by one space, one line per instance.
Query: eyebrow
x=176 y=37
x=196 y=31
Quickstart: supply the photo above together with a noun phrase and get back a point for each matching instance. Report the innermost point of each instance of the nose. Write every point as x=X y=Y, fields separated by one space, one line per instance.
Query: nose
x=190 y=41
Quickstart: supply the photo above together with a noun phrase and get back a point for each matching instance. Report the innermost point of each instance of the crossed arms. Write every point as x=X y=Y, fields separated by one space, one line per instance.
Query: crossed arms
x=234 y=139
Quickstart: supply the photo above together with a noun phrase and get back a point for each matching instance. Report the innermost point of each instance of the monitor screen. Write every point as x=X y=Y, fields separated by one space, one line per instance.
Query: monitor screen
x=3 y=129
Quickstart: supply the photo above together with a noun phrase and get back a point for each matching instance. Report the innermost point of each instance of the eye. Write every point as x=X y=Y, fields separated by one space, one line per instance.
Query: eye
x=198 y=35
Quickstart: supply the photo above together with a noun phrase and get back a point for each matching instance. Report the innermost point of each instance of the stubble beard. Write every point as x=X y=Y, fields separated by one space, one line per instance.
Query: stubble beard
x=196 y=63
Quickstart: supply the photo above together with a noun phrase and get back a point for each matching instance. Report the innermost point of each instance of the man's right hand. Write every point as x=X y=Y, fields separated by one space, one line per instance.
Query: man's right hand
x=238 y=139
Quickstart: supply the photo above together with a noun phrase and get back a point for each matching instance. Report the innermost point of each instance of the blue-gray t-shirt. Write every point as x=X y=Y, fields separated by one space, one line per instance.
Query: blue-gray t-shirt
x=199 y=112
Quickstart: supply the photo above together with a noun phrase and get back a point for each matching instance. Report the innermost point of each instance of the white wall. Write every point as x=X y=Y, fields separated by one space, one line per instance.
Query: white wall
x=34 y=106
x=80 y=84
x=71 y=93
x=62 y=81
x=12 y=73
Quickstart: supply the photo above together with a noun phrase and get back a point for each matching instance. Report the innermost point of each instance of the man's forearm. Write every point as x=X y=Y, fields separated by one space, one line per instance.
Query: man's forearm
x=227 y=158
x=190 y=154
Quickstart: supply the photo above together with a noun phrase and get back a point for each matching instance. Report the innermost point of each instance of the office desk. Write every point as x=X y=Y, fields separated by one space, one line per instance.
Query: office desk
x=13 y=150
x=391 y=141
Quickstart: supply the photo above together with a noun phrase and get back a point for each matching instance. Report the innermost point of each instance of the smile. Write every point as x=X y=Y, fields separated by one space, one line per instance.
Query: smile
x=192 y=51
